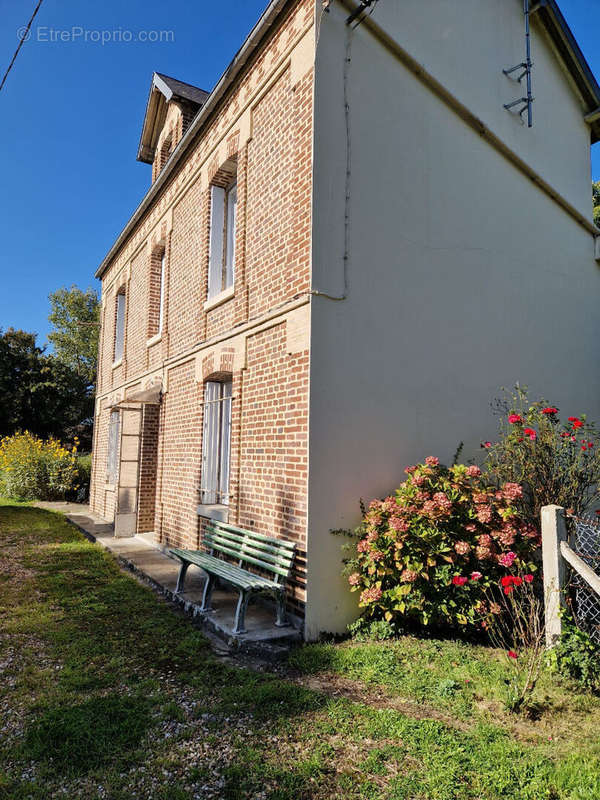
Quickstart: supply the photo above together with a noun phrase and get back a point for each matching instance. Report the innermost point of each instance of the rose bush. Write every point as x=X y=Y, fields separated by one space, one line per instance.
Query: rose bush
x=443 y=529
x=554 y=460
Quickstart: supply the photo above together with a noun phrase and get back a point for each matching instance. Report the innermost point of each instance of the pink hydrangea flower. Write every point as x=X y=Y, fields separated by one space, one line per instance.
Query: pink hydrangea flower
x=409 y=575
x=484 y=514
x=443 y=502
x=512 y=491
x=507 y=559
x=362 y=546
x=432 y=461
x=473 y=471
x=462 y=548
x=371 y=595
x=354 y=579
x=475 y=576
x=399 y=524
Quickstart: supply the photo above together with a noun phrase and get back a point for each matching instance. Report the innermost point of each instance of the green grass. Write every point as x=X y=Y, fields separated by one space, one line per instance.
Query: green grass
x=107 y=692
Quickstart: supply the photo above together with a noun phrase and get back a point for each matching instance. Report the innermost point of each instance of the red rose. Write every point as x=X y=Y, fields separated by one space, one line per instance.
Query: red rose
x=506 y=580
x=531 y=433
x=573 y=419
x=516 y=581
x=528 y=578
x=514 y=418
x=577 y=424
x=458 y=580
x=549 y=410
x=512 y=654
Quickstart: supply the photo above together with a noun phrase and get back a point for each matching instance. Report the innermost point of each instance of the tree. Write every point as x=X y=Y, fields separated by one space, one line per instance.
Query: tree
x=40 y=393
x=75 y=317
x=596 y=196
x=20 y=369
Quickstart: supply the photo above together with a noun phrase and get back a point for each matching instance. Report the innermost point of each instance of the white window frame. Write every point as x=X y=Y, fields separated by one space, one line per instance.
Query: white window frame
x=223 y=224
x=216 y=443
x=112 y=453
x=161 y=307
x=120 y=327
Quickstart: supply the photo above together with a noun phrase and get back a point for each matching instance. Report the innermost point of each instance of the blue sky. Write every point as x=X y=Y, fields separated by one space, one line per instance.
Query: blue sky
x=71 y=114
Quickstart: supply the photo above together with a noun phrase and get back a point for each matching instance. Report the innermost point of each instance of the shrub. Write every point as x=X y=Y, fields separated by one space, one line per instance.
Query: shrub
x=514 y=619
x=431 y=551
x=554 y=461
x=84 y=474
x=577 y=656
x=31 y=468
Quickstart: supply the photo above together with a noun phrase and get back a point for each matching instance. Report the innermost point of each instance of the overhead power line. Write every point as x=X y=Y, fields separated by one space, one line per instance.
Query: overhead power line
x=24 y=37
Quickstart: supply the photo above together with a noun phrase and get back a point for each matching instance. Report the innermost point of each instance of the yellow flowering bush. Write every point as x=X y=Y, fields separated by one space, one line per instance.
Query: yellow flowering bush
x=37 y=469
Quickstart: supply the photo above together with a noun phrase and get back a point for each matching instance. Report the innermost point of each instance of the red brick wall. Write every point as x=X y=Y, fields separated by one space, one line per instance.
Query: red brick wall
x=270 y=381
x=148 y=469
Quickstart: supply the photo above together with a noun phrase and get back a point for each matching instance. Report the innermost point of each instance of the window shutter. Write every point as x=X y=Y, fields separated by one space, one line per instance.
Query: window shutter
x=210 y=439
x=217 y=226
x=231 y=219
x=161 y=307
x=225 y=443
x=120 y=327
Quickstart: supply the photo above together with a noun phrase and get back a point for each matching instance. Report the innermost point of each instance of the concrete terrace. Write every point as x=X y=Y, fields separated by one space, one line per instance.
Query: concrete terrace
x=155 y=567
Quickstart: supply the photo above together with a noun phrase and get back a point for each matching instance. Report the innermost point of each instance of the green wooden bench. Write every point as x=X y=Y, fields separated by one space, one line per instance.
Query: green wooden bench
x=272 y=556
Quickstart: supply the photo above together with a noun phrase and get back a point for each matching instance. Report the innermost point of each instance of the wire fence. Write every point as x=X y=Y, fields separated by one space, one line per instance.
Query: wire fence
x=586 y=603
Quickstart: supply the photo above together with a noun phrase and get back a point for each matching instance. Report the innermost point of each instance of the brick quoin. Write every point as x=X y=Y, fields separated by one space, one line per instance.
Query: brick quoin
x=258 y=337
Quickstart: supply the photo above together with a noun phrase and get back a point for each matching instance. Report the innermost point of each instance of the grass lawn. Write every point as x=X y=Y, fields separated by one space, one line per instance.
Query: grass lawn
x=106 y=692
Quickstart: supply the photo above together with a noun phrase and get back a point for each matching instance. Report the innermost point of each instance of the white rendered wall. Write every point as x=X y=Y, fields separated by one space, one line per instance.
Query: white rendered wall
x=463 y=276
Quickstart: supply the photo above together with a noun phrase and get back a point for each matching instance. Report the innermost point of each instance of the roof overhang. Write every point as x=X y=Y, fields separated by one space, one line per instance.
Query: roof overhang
x=162 y=91
x=551 y=17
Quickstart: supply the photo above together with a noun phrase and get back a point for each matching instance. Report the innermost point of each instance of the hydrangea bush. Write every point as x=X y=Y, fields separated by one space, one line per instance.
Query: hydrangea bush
x=444 y=529
x=37 y=469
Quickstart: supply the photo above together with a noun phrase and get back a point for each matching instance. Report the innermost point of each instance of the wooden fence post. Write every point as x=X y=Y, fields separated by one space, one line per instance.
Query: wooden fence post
x=554 y=531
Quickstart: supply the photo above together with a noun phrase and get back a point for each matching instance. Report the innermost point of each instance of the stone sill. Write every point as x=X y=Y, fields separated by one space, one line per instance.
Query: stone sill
x=117 y=363
x=154 y=339
x=215 y=301
x=214 y=511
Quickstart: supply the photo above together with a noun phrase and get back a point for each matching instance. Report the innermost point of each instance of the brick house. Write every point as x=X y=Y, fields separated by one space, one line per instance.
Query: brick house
x=347 y=247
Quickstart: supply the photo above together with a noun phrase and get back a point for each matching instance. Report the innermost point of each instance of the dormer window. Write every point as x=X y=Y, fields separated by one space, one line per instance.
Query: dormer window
x=172 y=105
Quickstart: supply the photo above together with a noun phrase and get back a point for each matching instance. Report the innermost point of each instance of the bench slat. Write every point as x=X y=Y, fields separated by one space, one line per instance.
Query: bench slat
x=229 y=572
x=283 y=543
x=270 y=559
x=249 y=540
x=257 y=562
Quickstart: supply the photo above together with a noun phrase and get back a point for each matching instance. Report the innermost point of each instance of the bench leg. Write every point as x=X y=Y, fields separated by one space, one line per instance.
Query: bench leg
x=181 y=577
x=240 y=612
x=281 y=621
x=207 y=593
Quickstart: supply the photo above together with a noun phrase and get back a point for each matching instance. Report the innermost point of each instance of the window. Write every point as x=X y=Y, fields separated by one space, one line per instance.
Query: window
x=120 y=326
x=161 y=306
x=223 y=212
x=156 y=293
x=112 y=461
x=216 y=439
